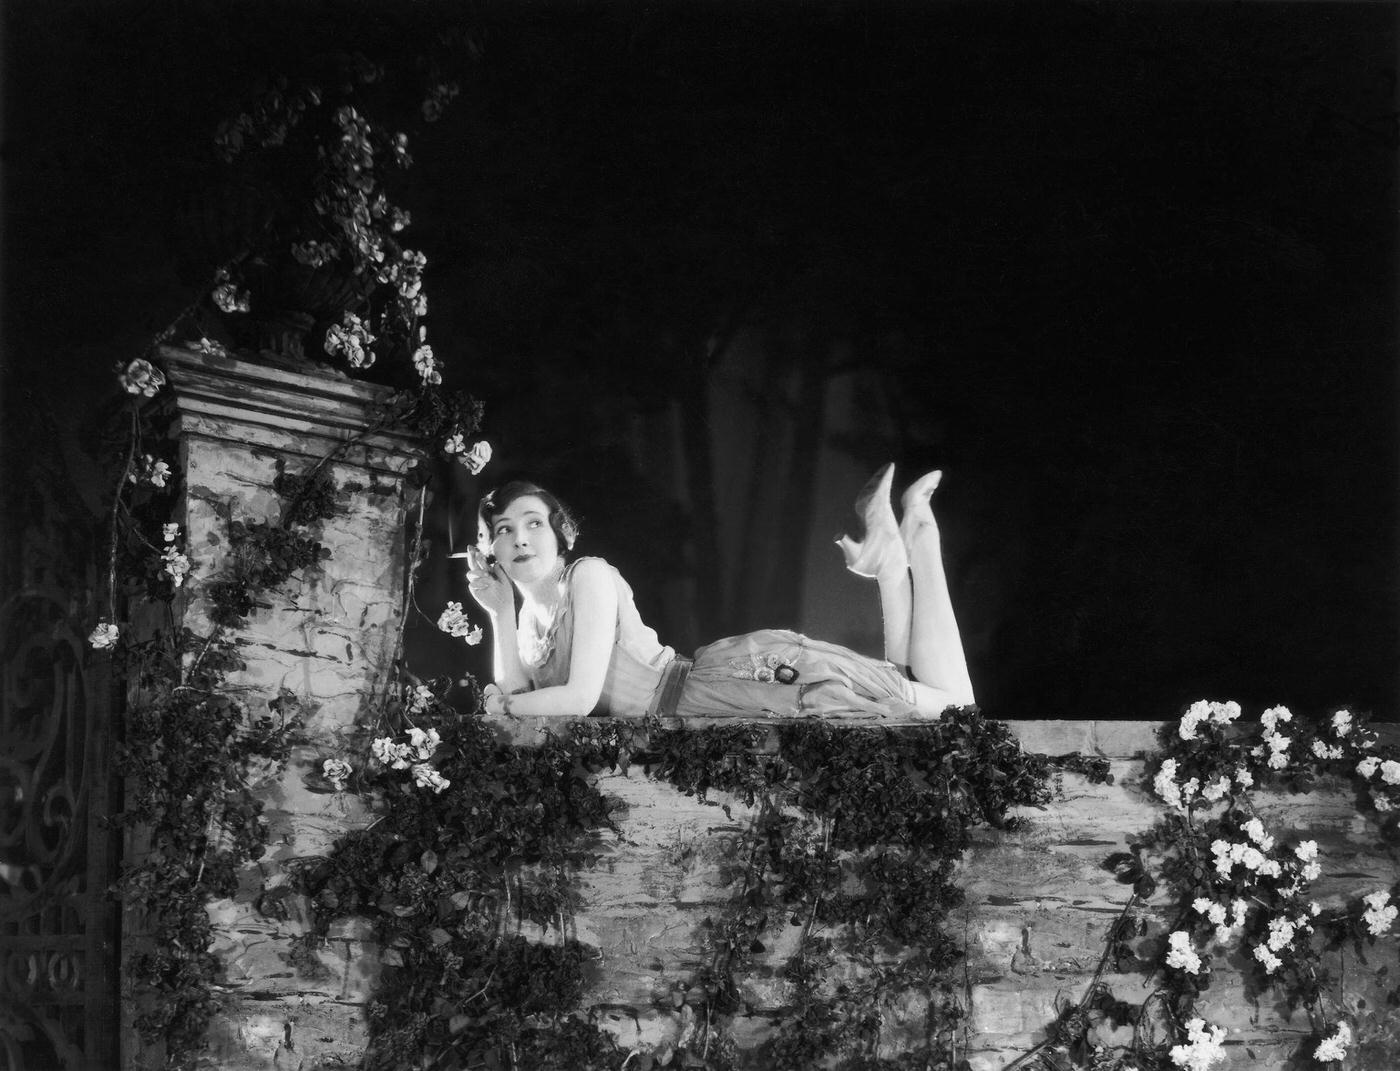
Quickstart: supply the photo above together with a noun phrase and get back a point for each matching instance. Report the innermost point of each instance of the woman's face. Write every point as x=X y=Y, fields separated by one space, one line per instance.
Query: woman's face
x=522 y=540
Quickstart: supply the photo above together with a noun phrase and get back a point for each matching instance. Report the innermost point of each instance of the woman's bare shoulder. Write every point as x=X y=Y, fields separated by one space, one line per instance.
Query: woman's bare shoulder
x=590 y=572
x=593 y=565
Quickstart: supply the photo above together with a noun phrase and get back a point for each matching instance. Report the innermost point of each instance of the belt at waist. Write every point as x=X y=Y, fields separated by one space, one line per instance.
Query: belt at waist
x=668 y=693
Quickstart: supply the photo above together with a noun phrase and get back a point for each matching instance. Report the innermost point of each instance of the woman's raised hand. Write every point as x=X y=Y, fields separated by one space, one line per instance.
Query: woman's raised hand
x=488 y=585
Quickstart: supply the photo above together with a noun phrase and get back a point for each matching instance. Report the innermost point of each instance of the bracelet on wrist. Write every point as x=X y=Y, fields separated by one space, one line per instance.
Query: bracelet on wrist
x=505 y=704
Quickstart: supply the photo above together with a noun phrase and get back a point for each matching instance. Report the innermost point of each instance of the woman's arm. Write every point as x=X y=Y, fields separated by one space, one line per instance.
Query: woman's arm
x=493 y=593
x=506 y=667
x=594 y=597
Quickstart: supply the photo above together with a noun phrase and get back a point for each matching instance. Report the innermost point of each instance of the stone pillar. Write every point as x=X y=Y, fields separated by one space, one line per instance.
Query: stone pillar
x=329 y=638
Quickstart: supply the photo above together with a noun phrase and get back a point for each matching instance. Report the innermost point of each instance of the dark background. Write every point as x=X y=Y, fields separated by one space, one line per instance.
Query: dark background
x=1127 y=271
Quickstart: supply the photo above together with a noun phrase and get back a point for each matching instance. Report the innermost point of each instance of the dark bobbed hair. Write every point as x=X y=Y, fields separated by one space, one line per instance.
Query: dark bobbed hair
x=496 y=502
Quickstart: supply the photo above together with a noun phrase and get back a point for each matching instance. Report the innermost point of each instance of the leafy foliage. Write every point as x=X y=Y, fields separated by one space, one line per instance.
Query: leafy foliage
x=445 y=876
x=448 y=878
x=1239 y=890
x=192 y=756
x=188 y=755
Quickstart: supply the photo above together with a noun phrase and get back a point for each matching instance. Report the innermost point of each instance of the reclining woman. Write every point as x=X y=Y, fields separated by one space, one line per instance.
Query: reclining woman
x=577 y=646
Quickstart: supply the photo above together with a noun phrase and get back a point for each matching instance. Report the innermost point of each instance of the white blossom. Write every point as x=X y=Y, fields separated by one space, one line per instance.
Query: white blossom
x=1243 y=777
x=176 y=565
x=352 y=338
x=476 y=458
x=1211 y=910
x=1165 y=783
x=454 y=621
x=104 y=636
x=419 y=699
x=1265 y=956
x=1271 y=717
x=1368 y=766
x=141 y=377
x=1224 y=859
x=1216 y=789
x=1335 y=1047
x=1255 y=829
x=1181 y=955
x=1281 y=932
x=454 y=444
x=425 y=776
x=1202 y=1048
x=393 y=755
x=336 y=771
x=426 y=366
x=1341 y=722
x=1205 y=710
x=1390 y=772
x=1380 y=912
x=1326 y=751
x=1224 y=713
x=151 y=471
x=1382 y=803
x=1195 y=714
x=423 y=743
x=1305 y=850
x=170 y=532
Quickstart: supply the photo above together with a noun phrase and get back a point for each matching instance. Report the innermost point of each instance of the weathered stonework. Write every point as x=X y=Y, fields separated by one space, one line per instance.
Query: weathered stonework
x=329 y=639
x=1039 y=905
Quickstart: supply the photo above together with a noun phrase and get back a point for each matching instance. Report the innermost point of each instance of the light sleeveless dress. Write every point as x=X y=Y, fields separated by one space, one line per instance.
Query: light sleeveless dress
x=771 y=673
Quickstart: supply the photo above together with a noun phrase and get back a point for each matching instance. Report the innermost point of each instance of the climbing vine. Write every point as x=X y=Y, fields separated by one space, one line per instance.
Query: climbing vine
x=191 y=755
x=1238 y=890
x=853 y=840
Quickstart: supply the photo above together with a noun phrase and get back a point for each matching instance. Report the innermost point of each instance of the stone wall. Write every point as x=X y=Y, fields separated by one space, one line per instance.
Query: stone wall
x=1038 y=906
x=329 y=640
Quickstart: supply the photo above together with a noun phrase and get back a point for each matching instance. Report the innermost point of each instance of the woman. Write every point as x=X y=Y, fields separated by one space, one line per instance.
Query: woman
x=576 y=645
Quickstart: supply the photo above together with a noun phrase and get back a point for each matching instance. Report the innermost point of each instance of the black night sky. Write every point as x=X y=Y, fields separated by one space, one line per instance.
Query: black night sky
x=1127 y=270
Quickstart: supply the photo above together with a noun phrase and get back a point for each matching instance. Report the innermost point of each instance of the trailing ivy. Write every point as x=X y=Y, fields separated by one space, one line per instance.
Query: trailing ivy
x=855 y=842
x=190 y=754
x=450 y=877
x=468 y=878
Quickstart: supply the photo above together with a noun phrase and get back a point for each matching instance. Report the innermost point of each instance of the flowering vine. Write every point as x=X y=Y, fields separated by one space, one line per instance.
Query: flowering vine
x=330 y=258
x=1244 y=890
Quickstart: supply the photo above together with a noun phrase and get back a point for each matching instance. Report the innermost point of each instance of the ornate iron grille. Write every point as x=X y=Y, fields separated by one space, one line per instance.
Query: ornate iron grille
x=58 y=927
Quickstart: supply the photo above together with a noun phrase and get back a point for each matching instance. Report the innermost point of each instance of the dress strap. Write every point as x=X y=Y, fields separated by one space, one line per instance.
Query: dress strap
x=668 y=693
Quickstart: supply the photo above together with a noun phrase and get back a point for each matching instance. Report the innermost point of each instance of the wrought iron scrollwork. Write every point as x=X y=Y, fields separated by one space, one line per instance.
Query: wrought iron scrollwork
x=57 y=926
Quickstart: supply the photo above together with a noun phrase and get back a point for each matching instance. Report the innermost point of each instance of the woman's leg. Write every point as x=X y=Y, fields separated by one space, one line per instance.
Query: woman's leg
x=881 y=555
x=936 y=658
